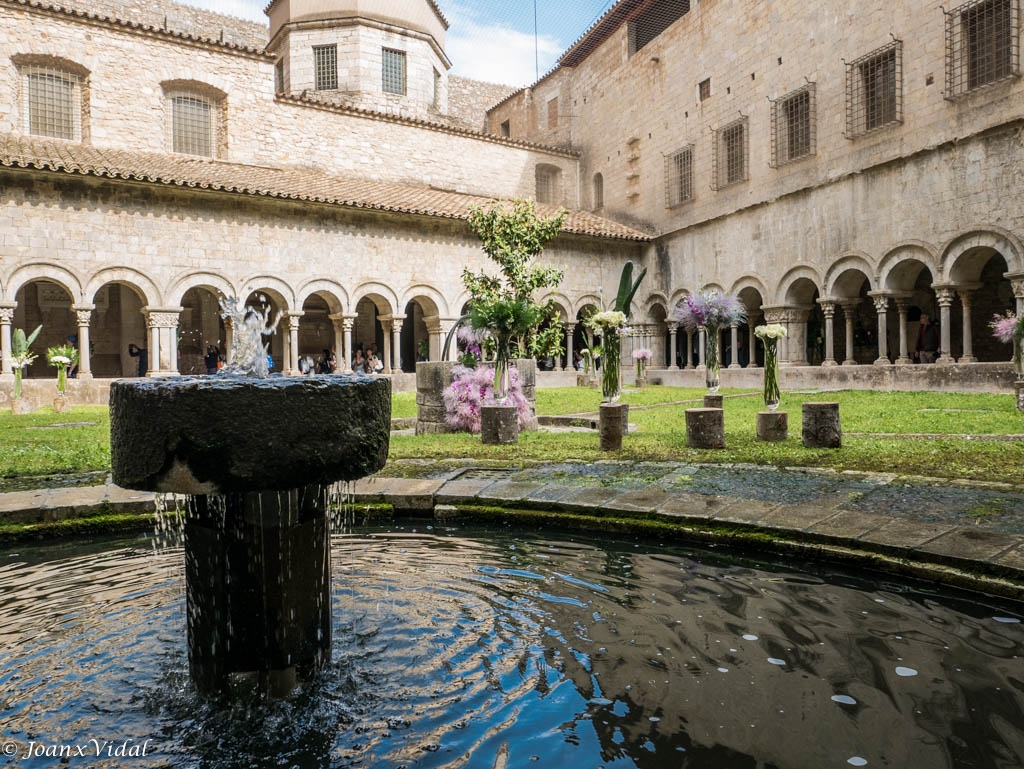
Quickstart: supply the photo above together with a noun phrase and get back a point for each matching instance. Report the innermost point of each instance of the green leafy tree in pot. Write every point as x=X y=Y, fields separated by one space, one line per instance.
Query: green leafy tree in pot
x=21 y=355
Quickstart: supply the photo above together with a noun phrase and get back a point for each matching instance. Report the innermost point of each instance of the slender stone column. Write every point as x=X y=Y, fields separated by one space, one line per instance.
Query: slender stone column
x=702 y=341
x=348 y=323
x=966 y=293
x=83 y=314
x=902 y=305
x=292 y=356
x=1017 y=283
x=881 y=307
x=569 y=329
x=828 y=309
x=689 y=349
x=340 y=348
x=396 y=342
x=849 y=305
x=6 y=319
x=673 y=332
x=752 y=341
x=153 y=359
x=734 y=339
x=229 y=334
x=387 y=325
x=944 y=295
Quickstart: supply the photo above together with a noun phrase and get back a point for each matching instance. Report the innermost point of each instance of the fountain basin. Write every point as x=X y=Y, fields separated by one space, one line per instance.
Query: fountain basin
x=217 y=435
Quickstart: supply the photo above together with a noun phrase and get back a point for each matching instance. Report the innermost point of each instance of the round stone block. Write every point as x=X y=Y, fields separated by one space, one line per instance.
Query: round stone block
x=499 y=424
x=772 y=425
x=705 y=428
x=22 y=406
x=821 y=428
x=612 y=425
x=61 y=405
x=713 y=401
x=221 y=434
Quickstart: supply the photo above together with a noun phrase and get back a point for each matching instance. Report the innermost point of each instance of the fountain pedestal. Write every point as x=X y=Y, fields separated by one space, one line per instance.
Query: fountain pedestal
x=256 y=457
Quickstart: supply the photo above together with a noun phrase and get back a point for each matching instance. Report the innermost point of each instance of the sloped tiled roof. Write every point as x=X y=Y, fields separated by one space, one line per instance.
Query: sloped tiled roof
x=20 y=152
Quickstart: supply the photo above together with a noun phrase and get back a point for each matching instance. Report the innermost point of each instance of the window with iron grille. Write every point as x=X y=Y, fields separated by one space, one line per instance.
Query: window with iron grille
x=874 y=90
x=731 y=153
x=598 y=191
x=794 y=129
x=654 y=20
x=279 y=76
x=982 y=45
x=325 y=67
x=393 y=72
x=548 y=178
x=192 y=125
x=679 y=177
x=553 y=113
x=704 y=89
x=54 y=103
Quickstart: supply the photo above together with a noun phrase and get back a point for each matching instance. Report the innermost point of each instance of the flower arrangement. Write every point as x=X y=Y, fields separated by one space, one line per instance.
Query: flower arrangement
x=21 y=355
x=770 y=336
x=471 y=388
x=642 y=356
x=503 y=319
x=472 y=343
x=63 y=357
x=611 y=326
x=711 y=310
x=1009 y=328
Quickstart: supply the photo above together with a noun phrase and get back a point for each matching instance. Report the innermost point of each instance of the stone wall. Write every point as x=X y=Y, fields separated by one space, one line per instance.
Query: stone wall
x=469 y=100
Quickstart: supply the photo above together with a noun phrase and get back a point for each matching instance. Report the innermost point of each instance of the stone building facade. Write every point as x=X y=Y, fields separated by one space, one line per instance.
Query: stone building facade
x=844 y=169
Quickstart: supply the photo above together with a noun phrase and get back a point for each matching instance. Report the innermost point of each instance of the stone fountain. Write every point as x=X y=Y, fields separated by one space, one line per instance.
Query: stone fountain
x=257 y=456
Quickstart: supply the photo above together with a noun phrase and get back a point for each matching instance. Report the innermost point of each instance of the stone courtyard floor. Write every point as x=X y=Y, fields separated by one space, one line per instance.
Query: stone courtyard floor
x=966 y=533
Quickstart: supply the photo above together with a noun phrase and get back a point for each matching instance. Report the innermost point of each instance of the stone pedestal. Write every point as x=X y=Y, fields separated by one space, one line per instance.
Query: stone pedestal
x=1018 y=388
x=613 y=424
x=583 y=380
x=60 y=405
x=24 y=406
x=772 y=425
x=499 y=424
x=821 y=428
x=713 y=401
x=434 y=377
x=257 y=586
x=705 y=428
x=641 y=383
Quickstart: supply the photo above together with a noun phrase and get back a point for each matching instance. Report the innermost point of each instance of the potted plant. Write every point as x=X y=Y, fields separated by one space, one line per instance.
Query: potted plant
x=770 y=336
x=21 y=356
x=711 y=311
x=504 y=320
x=62 y=357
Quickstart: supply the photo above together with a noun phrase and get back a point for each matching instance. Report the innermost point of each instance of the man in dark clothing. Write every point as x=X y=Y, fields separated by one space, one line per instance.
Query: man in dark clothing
x=143 y=355
x=927 y=341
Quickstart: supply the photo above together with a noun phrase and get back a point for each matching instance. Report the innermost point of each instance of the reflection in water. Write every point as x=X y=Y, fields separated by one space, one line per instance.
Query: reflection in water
x=475 y=649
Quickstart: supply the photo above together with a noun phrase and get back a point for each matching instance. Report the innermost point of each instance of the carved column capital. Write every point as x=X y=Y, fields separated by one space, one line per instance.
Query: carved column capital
x=945 y=295
x=828 y=308
x=84 y=317
x=6 y=315
x=881 y=303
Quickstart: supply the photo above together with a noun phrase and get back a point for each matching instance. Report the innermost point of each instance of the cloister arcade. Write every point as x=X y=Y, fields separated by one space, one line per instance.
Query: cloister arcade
x=857 y=311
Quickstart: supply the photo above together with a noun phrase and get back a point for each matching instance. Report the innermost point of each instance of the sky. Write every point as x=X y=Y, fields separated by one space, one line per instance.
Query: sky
x=490 y=40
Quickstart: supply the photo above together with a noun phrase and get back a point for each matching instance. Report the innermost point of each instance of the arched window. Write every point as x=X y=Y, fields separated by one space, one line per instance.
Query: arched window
x=549 y=184
x=196 y=116
x=53 y=96
x=598 y=191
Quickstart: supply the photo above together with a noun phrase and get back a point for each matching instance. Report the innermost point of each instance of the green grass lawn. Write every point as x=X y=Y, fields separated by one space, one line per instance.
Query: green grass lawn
x=45 y=443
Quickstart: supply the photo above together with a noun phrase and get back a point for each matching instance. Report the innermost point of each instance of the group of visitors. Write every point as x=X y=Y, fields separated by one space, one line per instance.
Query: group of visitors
x=366 y=361
x=326 y=363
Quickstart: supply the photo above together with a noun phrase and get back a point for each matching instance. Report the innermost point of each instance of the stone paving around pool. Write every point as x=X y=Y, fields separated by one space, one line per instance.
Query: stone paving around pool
x=975 y=527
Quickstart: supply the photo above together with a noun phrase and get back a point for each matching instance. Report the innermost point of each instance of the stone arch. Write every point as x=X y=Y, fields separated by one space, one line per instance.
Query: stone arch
x=211 y=281
x=677 y=297
x=749 y=283
x=383 y=298
x=42 y=301
x=277 y=288
x=899 y=268
x=562 y=304
x=713 y=287
x=654 y=299
x=420 y=338
x=126 y=276
x=45 y=271
x=791 y=287
x=432 y=300
x=840 y=278
x=332 y=292
x=587 y=300
x=965 y=256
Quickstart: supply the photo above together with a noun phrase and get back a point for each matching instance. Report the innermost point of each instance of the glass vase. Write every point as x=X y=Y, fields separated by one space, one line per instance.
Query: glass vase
x=772 y=396
x=62 y=380
x=502 y=360
x=611 y=347
x=17 y=382
x=711 y=363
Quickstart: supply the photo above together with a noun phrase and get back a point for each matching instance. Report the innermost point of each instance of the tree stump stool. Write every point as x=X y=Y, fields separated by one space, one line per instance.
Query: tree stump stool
x=712 y=401
x=613 y=424
x=705 y=428
x=499 y=424
x=821 y=429
x=772 y=425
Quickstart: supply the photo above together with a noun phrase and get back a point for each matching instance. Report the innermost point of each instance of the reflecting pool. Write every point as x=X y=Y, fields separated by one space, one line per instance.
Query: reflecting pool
x=458 y=647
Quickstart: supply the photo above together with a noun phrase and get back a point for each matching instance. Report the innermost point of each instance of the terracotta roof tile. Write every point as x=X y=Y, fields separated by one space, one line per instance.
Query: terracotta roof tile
x=18 y=151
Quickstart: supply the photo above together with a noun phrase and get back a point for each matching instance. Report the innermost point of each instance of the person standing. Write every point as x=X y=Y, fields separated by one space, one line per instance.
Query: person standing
x=143 y=355
x=927 y=341
x=212 y=359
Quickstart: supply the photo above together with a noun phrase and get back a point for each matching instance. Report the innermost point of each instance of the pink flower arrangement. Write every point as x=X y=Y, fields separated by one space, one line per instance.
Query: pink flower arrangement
x=642 y=354
x=472 y=388
x=1004 y=327
x=710 y=309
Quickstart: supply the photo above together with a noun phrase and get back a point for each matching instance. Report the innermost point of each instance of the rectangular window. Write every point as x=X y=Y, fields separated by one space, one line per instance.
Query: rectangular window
x=192 y=125
x=393 y=72
x=793 y=126
x=548 y=183
x=654 y=20
x=506 y=128
x=982 y=44
x=437 y=89
x=731 y=144
x=279 y=76
x=553 y=113
x=325 y=67
x=704 y=89
x=53 y=104
x=679 y=177
x=874 y=90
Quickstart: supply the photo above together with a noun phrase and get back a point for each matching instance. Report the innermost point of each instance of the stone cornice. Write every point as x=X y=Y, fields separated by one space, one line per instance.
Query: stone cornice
x=136 y=28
